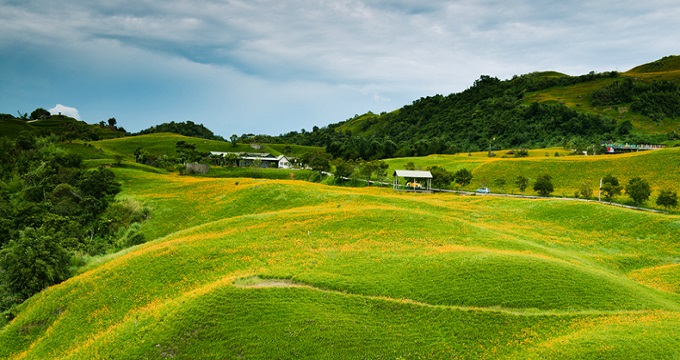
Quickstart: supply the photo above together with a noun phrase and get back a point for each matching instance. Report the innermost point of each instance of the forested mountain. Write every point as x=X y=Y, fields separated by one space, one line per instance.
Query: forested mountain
x=529 y=111
x=188 y=128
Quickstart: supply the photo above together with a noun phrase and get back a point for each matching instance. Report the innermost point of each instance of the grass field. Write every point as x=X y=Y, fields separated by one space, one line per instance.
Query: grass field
x=164 y=143
x=659 y=168
x=253 y=268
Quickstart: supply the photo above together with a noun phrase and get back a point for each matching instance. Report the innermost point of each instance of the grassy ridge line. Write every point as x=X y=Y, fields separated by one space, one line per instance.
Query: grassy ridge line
x=665 y=277
x=255 y=282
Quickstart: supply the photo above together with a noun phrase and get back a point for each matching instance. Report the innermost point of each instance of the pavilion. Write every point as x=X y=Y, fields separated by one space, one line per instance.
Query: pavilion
x=416 y=176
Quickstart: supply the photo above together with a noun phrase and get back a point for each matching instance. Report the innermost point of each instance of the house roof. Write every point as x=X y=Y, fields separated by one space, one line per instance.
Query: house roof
x=251 y=156
x=419 y=174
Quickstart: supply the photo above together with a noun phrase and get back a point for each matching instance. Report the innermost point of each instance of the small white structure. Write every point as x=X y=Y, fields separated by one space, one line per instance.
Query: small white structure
x=414 y=176
x=284 y=163
x=266 y=160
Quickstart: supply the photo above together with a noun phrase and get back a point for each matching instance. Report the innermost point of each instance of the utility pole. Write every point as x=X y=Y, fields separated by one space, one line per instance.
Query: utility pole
x=599 y=196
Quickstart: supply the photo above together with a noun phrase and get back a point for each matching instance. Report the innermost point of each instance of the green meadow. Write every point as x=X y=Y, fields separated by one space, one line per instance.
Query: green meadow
x=254 y=268
x=569 y=172
x=164 y=143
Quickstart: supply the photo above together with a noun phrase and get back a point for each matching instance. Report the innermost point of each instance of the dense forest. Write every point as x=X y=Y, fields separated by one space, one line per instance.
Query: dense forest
x=54 y=212
x=493 y=114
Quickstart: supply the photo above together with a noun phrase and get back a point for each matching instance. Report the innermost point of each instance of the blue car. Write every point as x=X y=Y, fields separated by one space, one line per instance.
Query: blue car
x=483 y=191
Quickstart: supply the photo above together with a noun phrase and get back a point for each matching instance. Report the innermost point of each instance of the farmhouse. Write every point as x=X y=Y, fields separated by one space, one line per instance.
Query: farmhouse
x=415 y=179
x=266 y=160
x=611 y=148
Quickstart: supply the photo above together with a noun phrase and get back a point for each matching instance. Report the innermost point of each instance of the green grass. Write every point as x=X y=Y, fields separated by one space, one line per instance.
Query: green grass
x=290 y=269
x=260 y=173
x=13 y=128
x=164 y=143
x=568 y=172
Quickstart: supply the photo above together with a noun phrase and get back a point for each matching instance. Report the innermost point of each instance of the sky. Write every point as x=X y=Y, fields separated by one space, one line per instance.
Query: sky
x=272 y=66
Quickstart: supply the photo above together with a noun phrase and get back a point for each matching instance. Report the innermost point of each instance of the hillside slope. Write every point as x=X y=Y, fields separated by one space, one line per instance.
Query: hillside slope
x=60 y=125
x=282 y=269
x=569 y=172
x=529 y=111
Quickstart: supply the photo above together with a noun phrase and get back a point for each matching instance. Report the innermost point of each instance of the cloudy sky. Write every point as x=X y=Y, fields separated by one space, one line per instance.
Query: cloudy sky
x=272 y=66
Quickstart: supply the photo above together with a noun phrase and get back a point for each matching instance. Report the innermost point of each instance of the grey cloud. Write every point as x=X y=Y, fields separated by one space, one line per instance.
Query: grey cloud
x=378 y=50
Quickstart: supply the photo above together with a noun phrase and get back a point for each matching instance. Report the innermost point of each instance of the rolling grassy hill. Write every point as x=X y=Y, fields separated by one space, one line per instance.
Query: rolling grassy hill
x=284 y=269
x=164 y=143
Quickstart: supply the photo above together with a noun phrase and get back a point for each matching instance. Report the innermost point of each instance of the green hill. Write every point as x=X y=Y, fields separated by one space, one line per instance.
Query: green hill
x=569 y=172
x=60 y=125
x=188 y=128
x=165 y=143
x=284 y=269
x=535 y=110
x=666 y=64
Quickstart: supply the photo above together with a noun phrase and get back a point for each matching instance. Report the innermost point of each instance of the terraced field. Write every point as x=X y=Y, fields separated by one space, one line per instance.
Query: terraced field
x=244 y=268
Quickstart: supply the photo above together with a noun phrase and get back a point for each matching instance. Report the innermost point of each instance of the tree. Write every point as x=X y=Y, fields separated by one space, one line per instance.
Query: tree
x=100 y=183
x=343 y=168
x=543 y=185
x=500 y=183
x=112 y=122
x=33 y=262
x=230 y=159
x=667 y=198
x=522 y=182
x=39 y=114
x=586 y=191
x=118 y=159
x=441 y=178
x=233 y=138
x=462 y=177
x=610 y=187
x=409 y=166
x=317 y=160
x=639 y=190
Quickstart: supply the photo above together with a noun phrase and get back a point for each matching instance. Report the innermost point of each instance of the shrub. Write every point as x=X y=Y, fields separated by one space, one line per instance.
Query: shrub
x=667 y=198
x=639 y=190
x=543 y=185
x=33 y=262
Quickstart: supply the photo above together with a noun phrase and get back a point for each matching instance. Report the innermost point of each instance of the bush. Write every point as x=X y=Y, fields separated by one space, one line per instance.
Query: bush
x=667 y=198
x=610 y=187
x=131 y=236
x=462 y=177
x=544 y=185
x=639 y=190
x=33 y=262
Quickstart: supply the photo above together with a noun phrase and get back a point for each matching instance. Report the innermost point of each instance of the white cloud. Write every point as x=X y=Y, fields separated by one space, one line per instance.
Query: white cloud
x=65 y=110
x=150 y=61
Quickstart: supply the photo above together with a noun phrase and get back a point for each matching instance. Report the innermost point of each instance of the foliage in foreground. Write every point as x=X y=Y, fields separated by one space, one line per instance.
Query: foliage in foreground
x=53 y=212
